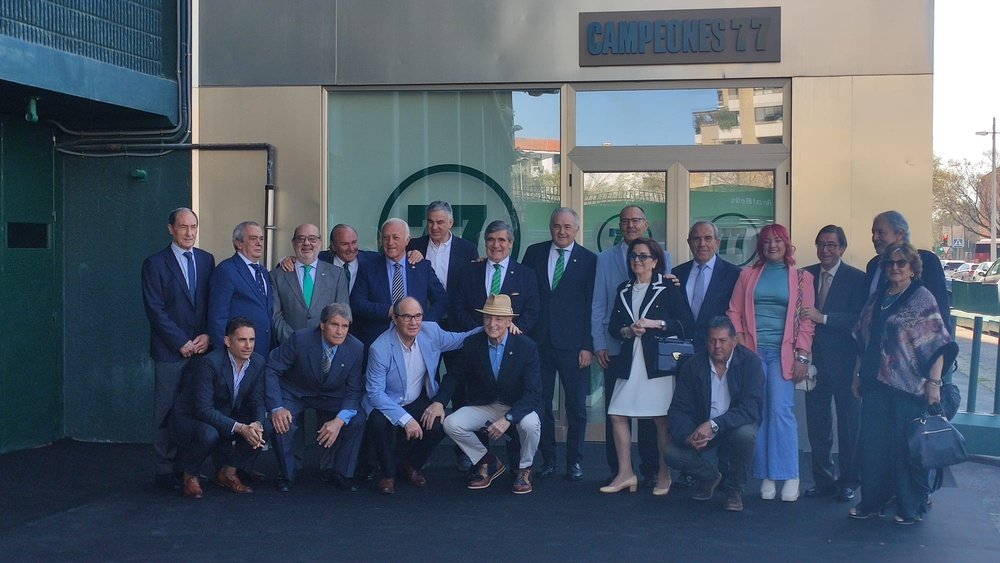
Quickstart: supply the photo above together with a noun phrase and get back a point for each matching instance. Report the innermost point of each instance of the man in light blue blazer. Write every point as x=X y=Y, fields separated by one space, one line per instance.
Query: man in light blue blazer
x=400 y=383
x=612 y=270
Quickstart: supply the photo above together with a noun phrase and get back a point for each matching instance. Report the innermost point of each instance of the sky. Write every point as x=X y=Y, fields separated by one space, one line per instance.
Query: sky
x=966 y=90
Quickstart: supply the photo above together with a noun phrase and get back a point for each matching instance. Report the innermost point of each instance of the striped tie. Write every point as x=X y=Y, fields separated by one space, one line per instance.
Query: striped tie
x=497 y=282
x=397 y=283
x=557 y=274
x=327 y=360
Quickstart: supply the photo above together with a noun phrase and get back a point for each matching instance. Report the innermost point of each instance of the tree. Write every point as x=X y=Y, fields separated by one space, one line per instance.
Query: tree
x=961 y=191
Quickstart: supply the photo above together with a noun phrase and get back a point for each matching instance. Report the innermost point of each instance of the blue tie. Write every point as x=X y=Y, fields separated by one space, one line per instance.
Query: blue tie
x=191 y=274
x=260 y=279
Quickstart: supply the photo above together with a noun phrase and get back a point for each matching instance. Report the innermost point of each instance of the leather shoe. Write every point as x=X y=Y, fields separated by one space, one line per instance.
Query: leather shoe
x=283 y=485
x=704 y=490
x=574 y=473
x=486 y=472
x=546 y=470
x=821 y=492
x=191 y=487
x=344 y=483
x=413 y=476
x=232 y=483
x=845 y=495
x=734 y=502
x=251 y=476
x=522 y=483
x=386 y=486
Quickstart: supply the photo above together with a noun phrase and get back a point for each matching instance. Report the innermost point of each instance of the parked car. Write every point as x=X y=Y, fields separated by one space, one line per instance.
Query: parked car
x=950 y=266
x=963 y=272
x=992 y=275
x=980 y=272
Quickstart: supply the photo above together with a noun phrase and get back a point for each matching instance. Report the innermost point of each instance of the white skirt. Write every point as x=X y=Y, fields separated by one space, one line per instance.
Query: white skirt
x=639 y=396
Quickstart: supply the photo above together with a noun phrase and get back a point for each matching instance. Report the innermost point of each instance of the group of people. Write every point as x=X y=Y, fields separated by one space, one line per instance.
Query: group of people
x=240 y=353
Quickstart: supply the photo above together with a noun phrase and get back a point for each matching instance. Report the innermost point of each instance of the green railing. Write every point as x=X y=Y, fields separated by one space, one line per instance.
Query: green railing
x=979 y=303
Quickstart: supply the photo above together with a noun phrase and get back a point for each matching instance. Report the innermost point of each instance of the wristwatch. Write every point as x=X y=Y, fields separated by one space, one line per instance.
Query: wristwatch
x=802 y=359
x=509 y=417
x=715 y=427
x=663 y=324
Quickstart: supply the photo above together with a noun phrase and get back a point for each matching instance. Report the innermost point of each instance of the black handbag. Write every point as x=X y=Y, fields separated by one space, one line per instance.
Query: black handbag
x=934 y=443
x=671 y=353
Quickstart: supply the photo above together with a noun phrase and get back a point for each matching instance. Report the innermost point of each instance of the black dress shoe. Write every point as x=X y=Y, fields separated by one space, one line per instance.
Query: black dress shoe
x=683 y=481
x=845 y=495
x=574 y=473
x=344 y=483
x=546 y=470
x=821 y=492
x=283 y=485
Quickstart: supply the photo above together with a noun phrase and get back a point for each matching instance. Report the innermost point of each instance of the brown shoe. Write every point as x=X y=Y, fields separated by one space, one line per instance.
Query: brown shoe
x=232 y=483
x=413 y=476
x=386 y=486
x=191 y=487
x=704 y=490
x=522 y=483
x=734 y=502
x=485 y=474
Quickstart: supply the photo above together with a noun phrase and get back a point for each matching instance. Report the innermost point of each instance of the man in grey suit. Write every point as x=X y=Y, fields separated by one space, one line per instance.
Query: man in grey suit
x=612 y=270
x=301 y=294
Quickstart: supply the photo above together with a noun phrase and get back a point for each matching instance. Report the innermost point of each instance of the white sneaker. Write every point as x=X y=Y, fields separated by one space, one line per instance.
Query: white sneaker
x=790 y=490
x=767 y=489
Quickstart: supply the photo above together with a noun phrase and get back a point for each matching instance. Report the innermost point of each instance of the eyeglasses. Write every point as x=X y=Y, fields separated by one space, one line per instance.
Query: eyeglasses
x=409 y=318
x=886 y=264
x=633 y=221
x=827 y=245
x=640 y=257
x=301 y=239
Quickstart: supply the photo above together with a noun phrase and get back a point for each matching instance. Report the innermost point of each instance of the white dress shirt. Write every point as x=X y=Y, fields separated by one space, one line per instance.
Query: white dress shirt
x=554 y=258
x=489 y=273
x=439 y=256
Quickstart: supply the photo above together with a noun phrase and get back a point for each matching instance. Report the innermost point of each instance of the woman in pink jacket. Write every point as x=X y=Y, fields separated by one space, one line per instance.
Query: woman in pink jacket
x=764 y=308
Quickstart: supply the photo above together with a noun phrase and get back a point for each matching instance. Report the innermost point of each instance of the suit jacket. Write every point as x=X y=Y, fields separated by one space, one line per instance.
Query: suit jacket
x=233 y=292
x=290 y=311
x=611 y=272
x=372 y=296
x=207 y=392
x=173 y=317
x=462 y=254
x=363 y=256
x=564 y=319
x=519 y=283
x=295 y=370
x=385 y=379
x=834 y=348
x=663 y=301
x=518 y=384
x=717 y=295
x=692 y=401
x=932 y=277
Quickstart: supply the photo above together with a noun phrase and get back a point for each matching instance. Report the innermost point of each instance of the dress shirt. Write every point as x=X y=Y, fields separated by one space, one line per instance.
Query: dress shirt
x=238 y=374
x=496 y=354
x=253 y=271
x=489 y=272
x=554 y=257
x=390 y=266
x=416 y=376
x=345 y=414
x=352 y=267
x=706 y=278
x=833 y=274
x=440 y=256
x=720 y=390
x=300 y=272
x=179 y=255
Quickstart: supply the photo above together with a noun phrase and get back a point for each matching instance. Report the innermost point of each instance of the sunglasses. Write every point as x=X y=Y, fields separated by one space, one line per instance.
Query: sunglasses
x=886 y=264
x=640 y=257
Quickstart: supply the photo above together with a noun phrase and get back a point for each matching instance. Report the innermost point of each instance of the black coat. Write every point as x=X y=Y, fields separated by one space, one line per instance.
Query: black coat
x=834 y=348
x=663 y=301
x=716 y=302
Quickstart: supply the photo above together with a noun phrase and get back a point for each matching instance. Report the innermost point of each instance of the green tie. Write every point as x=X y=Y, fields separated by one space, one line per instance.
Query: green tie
x=347 y=272
x=496 y=283
x=560 y=267
x=307 y=285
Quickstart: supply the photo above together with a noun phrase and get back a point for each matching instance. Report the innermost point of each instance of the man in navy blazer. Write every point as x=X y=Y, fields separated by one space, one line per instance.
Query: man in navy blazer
x=222 y=402
x=319 y=368
x=499 y=273
x=838 y=306
x=241 y=287
x=175 y=295
x=565 y=272
x=718 y=278
x=448 y=254
x=382 y=282
x=399 y=382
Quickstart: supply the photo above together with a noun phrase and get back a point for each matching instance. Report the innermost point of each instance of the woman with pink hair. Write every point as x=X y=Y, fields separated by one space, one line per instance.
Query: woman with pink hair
x=765 y=310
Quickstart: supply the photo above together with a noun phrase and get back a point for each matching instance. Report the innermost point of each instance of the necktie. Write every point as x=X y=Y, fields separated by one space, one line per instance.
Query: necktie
x=327 y=360
x=497 y=282
x=560 y=267
x=347 y=272
x=191 y=273
x=307 y=285
x=824 y=289
x=698 y=294
x=260 y=278
x=397 y=282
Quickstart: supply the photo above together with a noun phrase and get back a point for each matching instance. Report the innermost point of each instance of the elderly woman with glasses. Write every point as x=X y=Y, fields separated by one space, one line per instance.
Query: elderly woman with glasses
x=904 y=347
x=765 y=310
x=646 y=307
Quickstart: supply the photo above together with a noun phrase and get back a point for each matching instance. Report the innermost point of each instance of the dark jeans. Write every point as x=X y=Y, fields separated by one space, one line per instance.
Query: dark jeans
x=736 y=449
x=649 y=454
x=576 y=383
x=886 y=468
x=391 y=446
x=196 y=440
x=820 y=426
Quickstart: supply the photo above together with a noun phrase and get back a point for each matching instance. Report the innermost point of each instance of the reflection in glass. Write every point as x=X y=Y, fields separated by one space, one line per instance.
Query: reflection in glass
x=739 y=203
x=604 y=196
x=729 y=124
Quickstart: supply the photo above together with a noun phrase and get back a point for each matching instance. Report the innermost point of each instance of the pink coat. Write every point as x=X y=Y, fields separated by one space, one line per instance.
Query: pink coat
x=741 y=312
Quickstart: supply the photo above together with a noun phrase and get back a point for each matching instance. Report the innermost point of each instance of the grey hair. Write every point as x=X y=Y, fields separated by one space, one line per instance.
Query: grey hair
x=395 y=221
x=440 y=206
x=715 y=229
x=341 y=226
x=240 y=231
x=570 y=210
x=172 y=218
x=335 y=310
x=499 y=225
x=896 y=221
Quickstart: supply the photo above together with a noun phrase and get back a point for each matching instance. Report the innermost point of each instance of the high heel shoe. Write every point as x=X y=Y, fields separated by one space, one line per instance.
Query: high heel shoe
x=658 y=492
x=767 y=489
x=630 y=484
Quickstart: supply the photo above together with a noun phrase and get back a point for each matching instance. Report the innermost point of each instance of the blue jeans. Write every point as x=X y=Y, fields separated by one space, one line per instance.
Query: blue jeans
x=777 y=454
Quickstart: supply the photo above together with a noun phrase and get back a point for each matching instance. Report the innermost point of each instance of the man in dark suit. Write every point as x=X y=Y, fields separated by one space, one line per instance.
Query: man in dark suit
x=565 y=273
x=717 y=403
x=840 y=296
x=241 y=287
x=708 y=280
x=301 y=294
x=175 y=294
x=889 y=227
x=499 y=273
x=500 y=371
x=384 y=281
x=319 y=368
x=222 y=403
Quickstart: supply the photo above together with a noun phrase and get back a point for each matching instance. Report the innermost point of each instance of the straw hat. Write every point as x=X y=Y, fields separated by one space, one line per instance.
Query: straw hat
x=498 y=306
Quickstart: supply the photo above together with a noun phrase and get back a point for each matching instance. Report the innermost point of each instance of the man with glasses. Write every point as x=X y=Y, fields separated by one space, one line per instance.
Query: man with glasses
x=612 y=270
x=840 y=296
x=241 y=287
x=301 y=294
x=400 y=383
